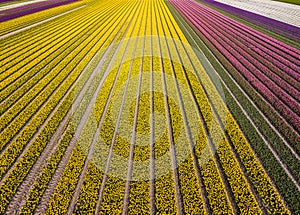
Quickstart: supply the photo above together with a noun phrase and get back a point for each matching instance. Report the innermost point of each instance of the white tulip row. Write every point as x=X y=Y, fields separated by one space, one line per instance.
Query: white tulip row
x=280 y=11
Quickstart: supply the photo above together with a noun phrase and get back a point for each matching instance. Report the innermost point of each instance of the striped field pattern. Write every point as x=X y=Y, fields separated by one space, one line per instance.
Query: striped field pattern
x=145 y=107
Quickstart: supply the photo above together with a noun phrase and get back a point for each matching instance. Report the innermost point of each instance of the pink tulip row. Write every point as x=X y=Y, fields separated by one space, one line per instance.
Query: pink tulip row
x=273 y=44
x=249 y=51
x=253 y=59
x=263 y=45
x=279 y=53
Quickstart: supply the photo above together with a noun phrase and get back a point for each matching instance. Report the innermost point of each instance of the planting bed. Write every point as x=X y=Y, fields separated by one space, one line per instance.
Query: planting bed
x=152 y=106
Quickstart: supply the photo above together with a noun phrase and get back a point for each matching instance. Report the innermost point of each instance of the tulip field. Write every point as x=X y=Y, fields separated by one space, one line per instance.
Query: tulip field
x=12 y=13
x=148 y=107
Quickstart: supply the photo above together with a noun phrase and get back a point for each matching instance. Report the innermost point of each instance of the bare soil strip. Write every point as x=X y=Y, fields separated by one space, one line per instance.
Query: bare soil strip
x=95 y=137
x=38 y=23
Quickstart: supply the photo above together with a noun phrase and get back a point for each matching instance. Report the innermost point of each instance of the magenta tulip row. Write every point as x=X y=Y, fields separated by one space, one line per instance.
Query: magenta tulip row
x=31 y=8
x=270 y=66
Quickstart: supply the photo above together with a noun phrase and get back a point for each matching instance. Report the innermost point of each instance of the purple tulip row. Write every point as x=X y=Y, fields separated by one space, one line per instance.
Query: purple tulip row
x=32 y=8
x=260 y=52
x=287 y=30
x=271 y=67
x=35 y=5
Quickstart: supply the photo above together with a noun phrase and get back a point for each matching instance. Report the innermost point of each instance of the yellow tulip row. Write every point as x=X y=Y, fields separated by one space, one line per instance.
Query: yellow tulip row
x=265 y=188
x=15 y=178
x=189 y=88
x=273 y=202
x=83 y=144
x=41 y=183
x=139 y=186
x=165 y=198
x=20 y=142
x=61 y=197
x=63 y=40
x=189 y=185
x=239 y=186
x=51 y=76
x=67 y=183
x=165 y=202
x=10 y=184
x=79 y=59
x=165 y=195
x=33 y=47
x=237 y=181
x=216 y=194
x=92 y=174
x=82 y=54
x=217 y=197
x=225 y=152
x=139 y=197
x=121 y=147
x=234 y=174
x=114 y=187
x=100 y=156
x=15 y=147
x=52 y=71
x=89 y=191
x=24 y=21
x=119 y=161
x=55 y=28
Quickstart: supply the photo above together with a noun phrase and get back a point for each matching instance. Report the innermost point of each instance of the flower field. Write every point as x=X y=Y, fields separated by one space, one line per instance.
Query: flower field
x=276 y=10
x=12 y=13
x=279 y=17
x=145 y=107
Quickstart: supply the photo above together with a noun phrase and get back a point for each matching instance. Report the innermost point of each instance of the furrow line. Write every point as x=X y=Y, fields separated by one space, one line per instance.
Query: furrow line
x=187 y=127
x=55 y=179
x=50 y=148
x=106 y=171
x=24 y=127
x=296 y=136
x=39 y=92
x=218 y=163
x=132 y=143
x=260 y=69
x=235 y=152
x=90 y=153
x=179 y=200
x=133 y=134
x=240 y=63
x=39 y=23
x=13 y=76
x=262 y=40
x=246 y=95
x=152 y=138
